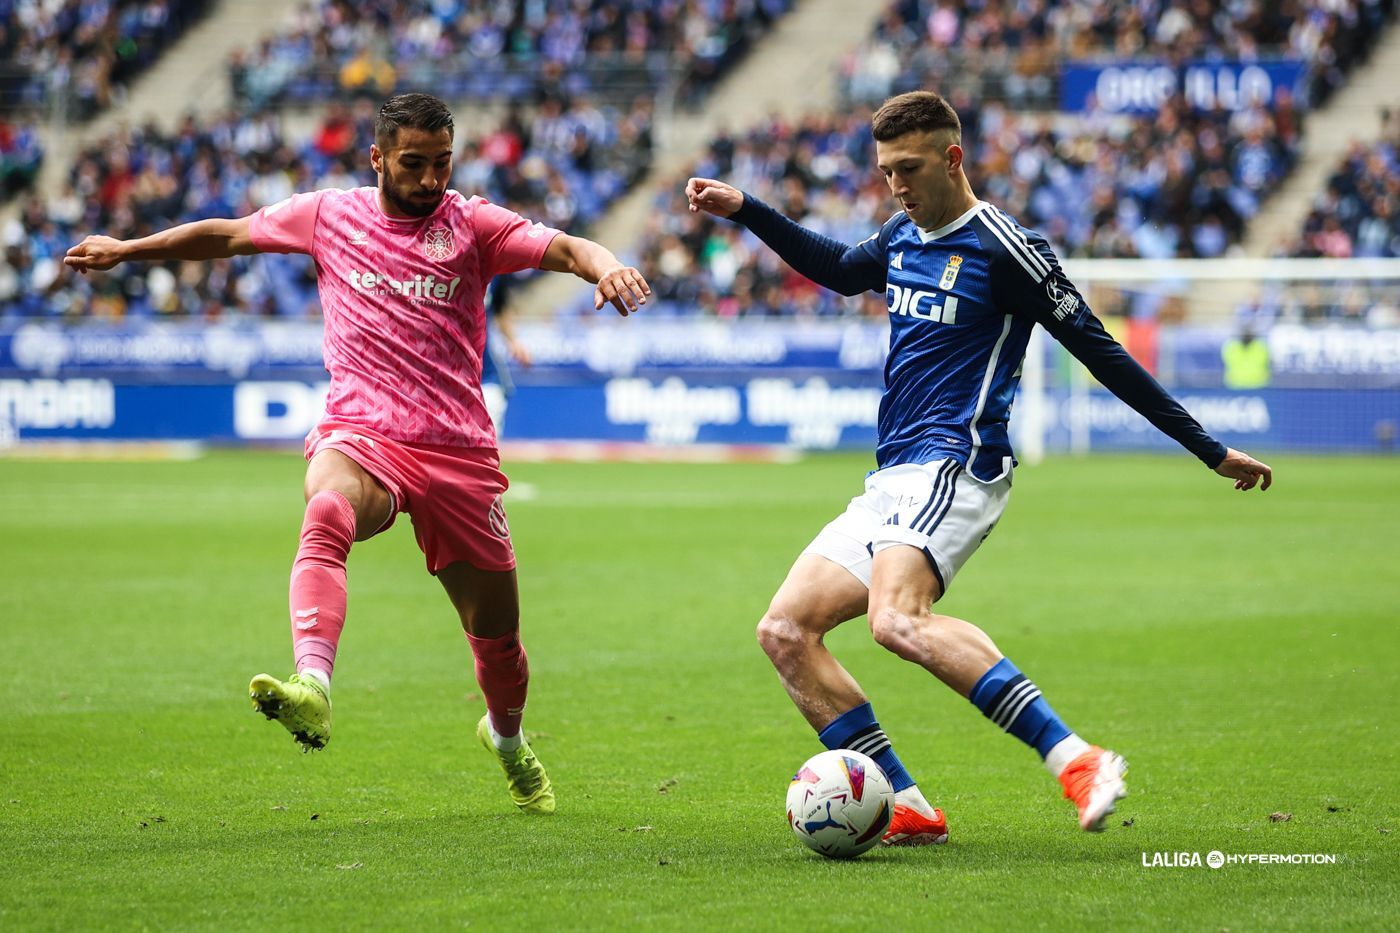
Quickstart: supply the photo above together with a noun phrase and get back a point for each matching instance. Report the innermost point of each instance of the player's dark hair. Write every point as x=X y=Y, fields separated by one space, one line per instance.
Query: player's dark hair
x=414 y=111
x=915 y=112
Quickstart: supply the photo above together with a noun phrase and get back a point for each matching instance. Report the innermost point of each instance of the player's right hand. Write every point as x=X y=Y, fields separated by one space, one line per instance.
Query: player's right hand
x=94 y=254
x=713 y=197
x=1245 y=470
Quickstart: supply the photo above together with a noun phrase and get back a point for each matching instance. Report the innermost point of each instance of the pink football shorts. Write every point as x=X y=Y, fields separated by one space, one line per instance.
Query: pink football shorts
x=452 y=494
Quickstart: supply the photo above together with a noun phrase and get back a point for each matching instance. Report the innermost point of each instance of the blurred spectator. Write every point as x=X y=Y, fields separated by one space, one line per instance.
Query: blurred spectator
x=79 y=53
x=1010 y=49
x=1246 y=361
x=487 y=49
x=1356 y=216
x=1177 y=184
x=142 y=179
x=21 y=154
x=1359 y=212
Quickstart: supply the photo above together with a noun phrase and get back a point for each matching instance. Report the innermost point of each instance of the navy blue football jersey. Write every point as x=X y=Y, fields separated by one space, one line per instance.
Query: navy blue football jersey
x=962 y=301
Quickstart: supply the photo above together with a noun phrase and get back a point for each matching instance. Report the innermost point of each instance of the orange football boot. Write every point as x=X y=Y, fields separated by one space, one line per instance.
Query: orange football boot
x=909 y=827
x=1094 y=781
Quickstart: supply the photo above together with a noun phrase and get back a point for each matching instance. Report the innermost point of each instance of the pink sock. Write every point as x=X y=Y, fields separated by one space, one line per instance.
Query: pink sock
x=504 y=676
x=318 y=580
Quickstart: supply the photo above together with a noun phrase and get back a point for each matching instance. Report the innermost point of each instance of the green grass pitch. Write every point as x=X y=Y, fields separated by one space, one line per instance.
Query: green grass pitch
x=1240 y=650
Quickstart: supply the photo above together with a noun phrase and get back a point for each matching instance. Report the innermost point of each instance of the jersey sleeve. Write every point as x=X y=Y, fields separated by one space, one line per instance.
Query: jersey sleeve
x=1031 y=284
x=848 y=270
x=507 y=242
x=288 y=226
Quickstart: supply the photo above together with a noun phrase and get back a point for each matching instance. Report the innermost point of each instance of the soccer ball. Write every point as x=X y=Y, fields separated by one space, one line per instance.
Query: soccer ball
x=840 y=803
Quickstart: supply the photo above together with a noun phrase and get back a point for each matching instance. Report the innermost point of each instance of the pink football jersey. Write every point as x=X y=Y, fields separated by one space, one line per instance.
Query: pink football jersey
x=403 y=299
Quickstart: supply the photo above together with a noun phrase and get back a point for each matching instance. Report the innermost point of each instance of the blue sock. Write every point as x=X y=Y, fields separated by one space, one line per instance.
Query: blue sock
x=1007 y=698
x=857 y=730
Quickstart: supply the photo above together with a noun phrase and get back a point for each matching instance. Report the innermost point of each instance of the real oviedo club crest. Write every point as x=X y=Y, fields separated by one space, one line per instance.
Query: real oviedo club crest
x=437 y=243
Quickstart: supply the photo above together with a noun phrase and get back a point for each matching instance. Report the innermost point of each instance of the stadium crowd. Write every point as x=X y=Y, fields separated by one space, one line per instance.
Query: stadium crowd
x=1355 y=216
x=21 y=155
x=1358 y=213
x=78 y=53
x=560 y=165
x=1180 y=184
x=1010 y=49
x=460 y=49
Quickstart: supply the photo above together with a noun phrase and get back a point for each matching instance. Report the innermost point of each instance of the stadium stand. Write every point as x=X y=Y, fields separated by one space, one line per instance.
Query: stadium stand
x=561 y=167
x=1011 y=49
x=571 y=139
x=470 y=49
x=1358 y=215
x=1181 y=184
x=74 y=57
x=1355 y=216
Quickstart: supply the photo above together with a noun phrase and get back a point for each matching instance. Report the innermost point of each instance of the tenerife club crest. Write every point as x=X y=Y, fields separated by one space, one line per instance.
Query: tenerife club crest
x=437 y=243
x=950 y=272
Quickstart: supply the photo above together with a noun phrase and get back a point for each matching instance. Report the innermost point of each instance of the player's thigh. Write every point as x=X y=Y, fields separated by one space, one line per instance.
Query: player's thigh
x=487 y=601
x=902 y=578
x=817 y=595
x=334 y=471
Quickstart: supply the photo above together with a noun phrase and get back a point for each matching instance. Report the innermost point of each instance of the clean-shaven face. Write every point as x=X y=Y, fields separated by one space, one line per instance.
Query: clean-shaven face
x=415 y=170
x=917 y=169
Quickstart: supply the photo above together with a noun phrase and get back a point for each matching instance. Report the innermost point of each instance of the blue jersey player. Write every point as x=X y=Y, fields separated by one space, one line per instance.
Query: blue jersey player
x=965 y=284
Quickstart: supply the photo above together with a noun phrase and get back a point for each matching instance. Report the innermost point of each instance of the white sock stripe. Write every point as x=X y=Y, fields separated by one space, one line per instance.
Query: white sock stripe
x=1013 y=709
x=1006 y=701
x=872 y=751
x=873 y=738
x=1019 y=239
x=1030 y=698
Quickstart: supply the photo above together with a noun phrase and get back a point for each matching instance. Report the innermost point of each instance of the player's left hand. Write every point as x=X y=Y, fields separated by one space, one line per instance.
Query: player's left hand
x=1245 y=470
x=94 y=254
x=624 y=288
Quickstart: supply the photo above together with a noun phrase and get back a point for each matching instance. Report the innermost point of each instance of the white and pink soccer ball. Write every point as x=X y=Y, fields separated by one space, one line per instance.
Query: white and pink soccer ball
x=840 y=803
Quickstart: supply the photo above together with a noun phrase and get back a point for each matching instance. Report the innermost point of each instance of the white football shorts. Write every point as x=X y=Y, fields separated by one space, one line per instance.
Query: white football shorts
x=938 y=507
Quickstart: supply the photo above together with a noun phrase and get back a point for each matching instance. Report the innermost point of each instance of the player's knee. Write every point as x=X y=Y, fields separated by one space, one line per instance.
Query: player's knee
x=333 y=472
x=897 y=631
x=490 y=614
x=488 y=622
x=782 y=636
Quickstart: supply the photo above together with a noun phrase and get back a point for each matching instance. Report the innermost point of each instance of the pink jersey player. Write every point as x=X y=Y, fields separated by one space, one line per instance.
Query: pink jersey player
x=403 y=268
x=403 y=299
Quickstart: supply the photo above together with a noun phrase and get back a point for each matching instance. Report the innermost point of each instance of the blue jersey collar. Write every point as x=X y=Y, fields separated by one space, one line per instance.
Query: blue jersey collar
x=928 y=236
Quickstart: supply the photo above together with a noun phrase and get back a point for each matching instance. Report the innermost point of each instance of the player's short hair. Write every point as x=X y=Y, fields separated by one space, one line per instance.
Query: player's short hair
x=414 y=111
x=915 y=112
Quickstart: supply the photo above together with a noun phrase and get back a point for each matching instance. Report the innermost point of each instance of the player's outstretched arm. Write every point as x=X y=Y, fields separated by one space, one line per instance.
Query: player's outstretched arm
x=1245 y=470
x=203 y=239
x=846 y=270
x=621 y=286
